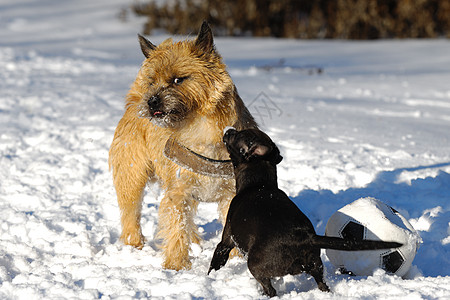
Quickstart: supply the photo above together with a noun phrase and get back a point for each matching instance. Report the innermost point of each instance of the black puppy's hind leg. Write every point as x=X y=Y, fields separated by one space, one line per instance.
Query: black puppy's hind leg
x=258 y=266
x=315 y=269
x=267 y=286
x=317 y=273
x=321 y=283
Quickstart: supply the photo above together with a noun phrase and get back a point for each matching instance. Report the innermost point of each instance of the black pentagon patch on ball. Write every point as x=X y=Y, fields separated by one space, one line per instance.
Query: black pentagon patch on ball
x=392 y=262
x=353 y=231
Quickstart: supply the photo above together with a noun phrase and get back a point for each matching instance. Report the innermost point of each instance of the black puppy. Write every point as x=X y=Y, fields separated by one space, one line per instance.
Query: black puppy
x=265 y=224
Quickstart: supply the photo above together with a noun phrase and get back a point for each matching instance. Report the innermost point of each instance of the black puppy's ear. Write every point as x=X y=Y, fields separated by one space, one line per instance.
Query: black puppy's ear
x=146 y=46
x=259 y=150
x=275 y=157
x=205 y=39
x=271 y=154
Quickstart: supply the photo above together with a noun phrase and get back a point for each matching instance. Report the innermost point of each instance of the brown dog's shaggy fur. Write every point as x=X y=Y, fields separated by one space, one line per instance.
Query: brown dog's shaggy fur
x=182 y=91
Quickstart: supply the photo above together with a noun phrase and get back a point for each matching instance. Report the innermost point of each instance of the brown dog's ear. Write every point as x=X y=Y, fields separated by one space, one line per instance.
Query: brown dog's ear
x=205 y=39
x=146 y=46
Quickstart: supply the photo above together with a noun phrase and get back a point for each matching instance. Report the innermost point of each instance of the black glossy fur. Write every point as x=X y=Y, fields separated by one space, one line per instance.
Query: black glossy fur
x=265 y=224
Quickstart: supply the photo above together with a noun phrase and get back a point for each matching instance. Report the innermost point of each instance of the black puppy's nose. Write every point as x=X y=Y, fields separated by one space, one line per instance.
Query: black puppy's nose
x=154 y=101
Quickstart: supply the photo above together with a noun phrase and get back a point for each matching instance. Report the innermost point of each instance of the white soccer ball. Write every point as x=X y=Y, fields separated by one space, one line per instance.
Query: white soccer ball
x=371 y=219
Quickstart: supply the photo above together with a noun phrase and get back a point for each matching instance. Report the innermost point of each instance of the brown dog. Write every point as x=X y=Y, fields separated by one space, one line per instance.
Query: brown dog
x=182 y=98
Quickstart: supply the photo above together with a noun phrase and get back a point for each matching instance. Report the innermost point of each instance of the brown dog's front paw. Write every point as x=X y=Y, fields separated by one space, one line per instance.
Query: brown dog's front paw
x=136 y=240
x=176 y=254
x=177 y=264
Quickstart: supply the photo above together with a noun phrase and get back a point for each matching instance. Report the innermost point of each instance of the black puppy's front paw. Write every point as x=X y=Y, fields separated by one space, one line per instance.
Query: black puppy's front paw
x=216 y=264
x=211 y=267
x=220 y=257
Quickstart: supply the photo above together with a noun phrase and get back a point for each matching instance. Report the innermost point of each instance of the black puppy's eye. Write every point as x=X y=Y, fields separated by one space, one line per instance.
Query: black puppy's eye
x=241 y=150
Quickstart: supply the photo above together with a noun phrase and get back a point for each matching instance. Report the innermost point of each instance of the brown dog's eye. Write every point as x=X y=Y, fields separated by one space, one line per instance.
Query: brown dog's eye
x=179 y=80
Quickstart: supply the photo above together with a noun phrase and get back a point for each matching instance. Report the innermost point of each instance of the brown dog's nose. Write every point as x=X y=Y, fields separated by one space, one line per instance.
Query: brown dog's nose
x=154 y=101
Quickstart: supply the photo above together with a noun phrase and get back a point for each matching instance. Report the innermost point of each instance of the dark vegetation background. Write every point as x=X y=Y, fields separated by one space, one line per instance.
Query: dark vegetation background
x=309 y=19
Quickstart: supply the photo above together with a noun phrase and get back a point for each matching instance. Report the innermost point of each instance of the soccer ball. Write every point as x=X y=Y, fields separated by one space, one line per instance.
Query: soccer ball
x=371 y=219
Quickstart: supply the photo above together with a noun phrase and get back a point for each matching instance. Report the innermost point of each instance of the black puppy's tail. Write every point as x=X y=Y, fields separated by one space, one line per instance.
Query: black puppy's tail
x=336 y=243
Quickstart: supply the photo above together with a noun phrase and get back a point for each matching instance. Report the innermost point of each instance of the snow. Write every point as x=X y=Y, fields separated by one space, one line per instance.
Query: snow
x=374 y=123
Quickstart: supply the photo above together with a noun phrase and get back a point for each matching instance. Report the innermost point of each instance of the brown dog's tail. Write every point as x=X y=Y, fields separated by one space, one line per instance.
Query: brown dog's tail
x=336 y=243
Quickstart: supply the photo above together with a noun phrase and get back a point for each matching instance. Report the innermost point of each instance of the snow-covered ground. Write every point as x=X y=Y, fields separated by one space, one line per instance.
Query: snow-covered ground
x=375 y=122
